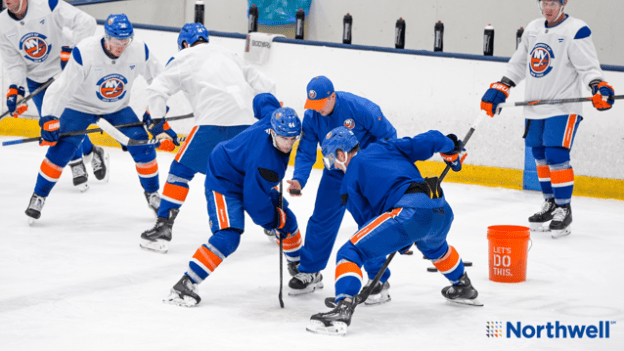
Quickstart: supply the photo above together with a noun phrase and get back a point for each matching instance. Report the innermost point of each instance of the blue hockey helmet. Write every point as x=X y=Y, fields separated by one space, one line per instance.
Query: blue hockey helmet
x=285 y=122
x=339 y=138
x=190 y=33
x=118 y=27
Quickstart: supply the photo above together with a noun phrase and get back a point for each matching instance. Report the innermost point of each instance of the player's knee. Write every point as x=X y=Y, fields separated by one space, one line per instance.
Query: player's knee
x=350 y=253
x=557 y=155
x=181 y=171
x=538 y=153
x=226 y=240
x=434 y=253
x=62 y=152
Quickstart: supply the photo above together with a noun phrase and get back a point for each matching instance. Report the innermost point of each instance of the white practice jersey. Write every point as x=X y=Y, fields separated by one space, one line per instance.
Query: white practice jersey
x=218 y=83
x=95 y=83
x=558 y=62
x=31 y=46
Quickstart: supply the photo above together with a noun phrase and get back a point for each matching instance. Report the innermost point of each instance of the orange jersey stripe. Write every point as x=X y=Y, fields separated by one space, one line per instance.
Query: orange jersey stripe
x=51 y=170
x=222 y=214
x=569 y=131
x=374 y=224
x=147 y=168
x=188 y=141
x=348 y=268
x=562 y=176
x=543 y=172
x=207 y=258
x=175 y=192
x=448 y=262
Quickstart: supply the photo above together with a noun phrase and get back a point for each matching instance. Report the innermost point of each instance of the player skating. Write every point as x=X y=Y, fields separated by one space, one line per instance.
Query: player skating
x=558 y=60
x=96 y=84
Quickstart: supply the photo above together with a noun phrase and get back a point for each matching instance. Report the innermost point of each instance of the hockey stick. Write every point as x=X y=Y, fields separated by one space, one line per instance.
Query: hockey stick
x=281 y=206
x=552 y=102
x=95 y=130
x=125 y=140
x=363 y=295
x=29 y=97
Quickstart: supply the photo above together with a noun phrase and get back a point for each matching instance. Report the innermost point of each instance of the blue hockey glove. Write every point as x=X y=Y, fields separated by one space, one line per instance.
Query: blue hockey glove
x=406 y=250
x=65 y=55
x=50 y=126
x=286 y=222
x=162 y=131
x=147 y=119
x=496 y=94
x=14 y=96
x=275 y=198
x=455 y=157
x=600 y=91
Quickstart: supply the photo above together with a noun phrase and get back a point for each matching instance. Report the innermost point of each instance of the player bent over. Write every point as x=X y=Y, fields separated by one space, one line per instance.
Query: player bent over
x=205 y=73
x=241 y=176
x=35 y=48
x=562 y=62
x=393 y=210
x=96 y=84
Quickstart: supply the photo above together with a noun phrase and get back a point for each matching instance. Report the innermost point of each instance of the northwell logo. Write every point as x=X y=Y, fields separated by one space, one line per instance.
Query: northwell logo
x=549 y=330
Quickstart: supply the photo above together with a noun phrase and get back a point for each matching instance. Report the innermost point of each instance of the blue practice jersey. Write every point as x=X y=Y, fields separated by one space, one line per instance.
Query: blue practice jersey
x=363 y=117
x=378 y=177
x=247 y=167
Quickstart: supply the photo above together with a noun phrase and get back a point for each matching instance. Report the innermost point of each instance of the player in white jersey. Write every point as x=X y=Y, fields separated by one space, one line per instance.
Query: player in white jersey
x=558 y=60
x=35 y=49
x=220 y=87
x=96 y=84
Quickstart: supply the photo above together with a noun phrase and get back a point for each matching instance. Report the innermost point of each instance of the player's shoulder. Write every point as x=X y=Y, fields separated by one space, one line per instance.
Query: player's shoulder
x=87 y=49
x=577 y=28
x=535 y=25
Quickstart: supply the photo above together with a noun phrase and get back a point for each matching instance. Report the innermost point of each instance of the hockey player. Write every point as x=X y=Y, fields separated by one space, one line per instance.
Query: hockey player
x=206 y=74
x=96 y=84
x=241 y=175
x=328 y=109
x=393 y=210
x=558 y=59
x=35 y=49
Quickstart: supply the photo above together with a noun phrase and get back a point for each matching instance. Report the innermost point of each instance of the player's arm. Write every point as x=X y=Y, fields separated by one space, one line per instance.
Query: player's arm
x=375 y=122
x=163 y=87
x=152 y=67
x=257 y=195
x=65 y=86
x=306 y=151
x=81 y=24
x=260 y=82
x=424 y=146
x=15 y=65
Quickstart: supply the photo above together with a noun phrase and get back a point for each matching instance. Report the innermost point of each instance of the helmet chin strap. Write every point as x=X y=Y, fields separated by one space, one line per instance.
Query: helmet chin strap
x=344 y=166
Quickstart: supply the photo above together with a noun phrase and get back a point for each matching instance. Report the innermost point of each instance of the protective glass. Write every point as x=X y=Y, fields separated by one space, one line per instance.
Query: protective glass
x=120 y=43
x=284 y=142
x=329 y=161
x=550 y=5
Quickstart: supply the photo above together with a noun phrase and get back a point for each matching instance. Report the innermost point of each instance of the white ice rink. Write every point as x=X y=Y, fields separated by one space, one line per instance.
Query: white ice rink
x=77 y=279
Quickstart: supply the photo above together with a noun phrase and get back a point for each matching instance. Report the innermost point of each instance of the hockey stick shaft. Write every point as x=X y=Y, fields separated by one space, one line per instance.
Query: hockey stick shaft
x=96 y=130
x=29 y=97
x=281 y=251
x=362 y=296
x=554 y=102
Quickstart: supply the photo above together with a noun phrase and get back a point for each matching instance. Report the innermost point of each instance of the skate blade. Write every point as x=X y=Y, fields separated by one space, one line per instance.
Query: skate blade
x=82 y=187
x=336 y=329
x=540 y=227
x=175 y=299
x=309 y=289
x=467 y=302
x=556 y=234
x=377 y=299
x=160 y=246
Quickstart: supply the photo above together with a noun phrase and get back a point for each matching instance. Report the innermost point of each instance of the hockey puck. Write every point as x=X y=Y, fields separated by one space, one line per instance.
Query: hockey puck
x=294 y=191
x=432 y=269
x=467 y=263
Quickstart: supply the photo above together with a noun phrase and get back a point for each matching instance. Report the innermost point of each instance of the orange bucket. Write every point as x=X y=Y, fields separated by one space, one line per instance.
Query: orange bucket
x=508 y=253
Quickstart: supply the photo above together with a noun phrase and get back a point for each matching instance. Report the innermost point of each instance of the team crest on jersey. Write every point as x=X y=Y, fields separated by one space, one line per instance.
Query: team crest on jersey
x=35 y=46
x=541 y=60
x=349 y=123
x=111 y=88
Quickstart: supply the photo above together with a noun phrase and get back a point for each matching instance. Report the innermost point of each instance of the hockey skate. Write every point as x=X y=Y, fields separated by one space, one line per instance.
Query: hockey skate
x=303 y=283
x=100 y=163
x=562 y=218
x=153 y=200
x=79 y=174
x=539 y=221
x=379 y=294
x=184 y=293
x=334 y=322
x=34 y=208
x=158 y=238
x=293 y=268
x=462 y=293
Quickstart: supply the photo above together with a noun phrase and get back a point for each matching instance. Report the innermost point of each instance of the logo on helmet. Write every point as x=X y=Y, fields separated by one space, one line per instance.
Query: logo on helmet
x=312 y=94
x=111 y=88
x=278 y=115
x=349 y=123
x=541 y=60
x=35 y=46
x=328 y=135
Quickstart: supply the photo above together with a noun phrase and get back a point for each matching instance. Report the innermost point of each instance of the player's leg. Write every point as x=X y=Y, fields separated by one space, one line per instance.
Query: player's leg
x=320 y=234
x=227 y=223
x=98 y=157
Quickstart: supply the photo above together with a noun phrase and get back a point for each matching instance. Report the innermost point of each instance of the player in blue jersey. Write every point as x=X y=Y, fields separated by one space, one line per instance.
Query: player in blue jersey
x=328 y=109
x=241 y=177
x=393 y=210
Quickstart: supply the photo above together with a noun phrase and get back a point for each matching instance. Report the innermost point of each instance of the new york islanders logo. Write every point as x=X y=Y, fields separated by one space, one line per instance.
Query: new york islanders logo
x=349 y=123
x=111 y=88
x=541 y=60
x=312 y=94
x=35 y=47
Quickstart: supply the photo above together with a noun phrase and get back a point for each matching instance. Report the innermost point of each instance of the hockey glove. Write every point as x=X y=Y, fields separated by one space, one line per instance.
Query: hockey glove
x=601 y=91
x=147 y=119
x=498 y=93
x=49 y=130
x=65 y=55
x=455 y=157
x=14 y=96
x=287 y=222
x=275 y=195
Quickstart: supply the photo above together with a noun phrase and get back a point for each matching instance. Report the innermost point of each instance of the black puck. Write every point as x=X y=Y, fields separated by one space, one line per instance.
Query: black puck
x=295 y=191
x=467 y=263
x=432 y=269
